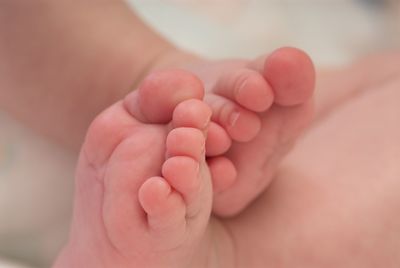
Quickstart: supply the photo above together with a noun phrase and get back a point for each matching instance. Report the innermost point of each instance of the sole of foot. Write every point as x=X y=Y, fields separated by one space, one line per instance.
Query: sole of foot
x=143 y=188
x=259 y=109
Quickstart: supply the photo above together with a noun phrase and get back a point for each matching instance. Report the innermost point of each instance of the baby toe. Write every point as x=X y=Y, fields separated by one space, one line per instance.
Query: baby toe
x=246 y=87
x=241 y=124
x=223 y=173
x=164 y=207
x=291 y=74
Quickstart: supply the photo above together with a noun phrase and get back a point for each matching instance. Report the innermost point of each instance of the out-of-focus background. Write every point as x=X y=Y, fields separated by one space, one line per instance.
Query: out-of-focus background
x=36 y=176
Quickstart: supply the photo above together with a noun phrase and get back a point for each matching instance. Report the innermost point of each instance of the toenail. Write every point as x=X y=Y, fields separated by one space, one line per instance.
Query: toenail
x=240 y=88
x=198 y=168
x=233 y=118
x=207 y=123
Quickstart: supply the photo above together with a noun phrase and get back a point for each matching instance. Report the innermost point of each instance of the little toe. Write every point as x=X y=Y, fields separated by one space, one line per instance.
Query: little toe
x=159 y=94
x=291 y=74
x=164 y=207
x=182 y=173
x=223 y=173
x=241 y=124
x=247 y=87
x=218 y=140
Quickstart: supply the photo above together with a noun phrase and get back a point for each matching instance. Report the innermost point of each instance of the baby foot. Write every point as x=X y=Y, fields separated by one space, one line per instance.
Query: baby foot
x=259 y=109
x=143 y=189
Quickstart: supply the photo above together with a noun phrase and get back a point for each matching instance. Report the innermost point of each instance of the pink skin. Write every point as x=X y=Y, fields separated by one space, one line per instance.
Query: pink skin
x=143 y=185
x=328 y=208
x=143 y=188
x=335 y=200
x=259 y=109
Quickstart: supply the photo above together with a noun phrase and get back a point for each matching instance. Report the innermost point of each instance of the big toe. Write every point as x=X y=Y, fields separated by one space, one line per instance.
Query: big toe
x=159 y=94
x=291 y=74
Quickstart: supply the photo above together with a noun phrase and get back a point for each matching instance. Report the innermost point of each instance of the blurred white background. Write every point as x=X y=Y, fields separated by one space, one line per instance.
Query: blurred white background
x=332 y=31
x=36 y=176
